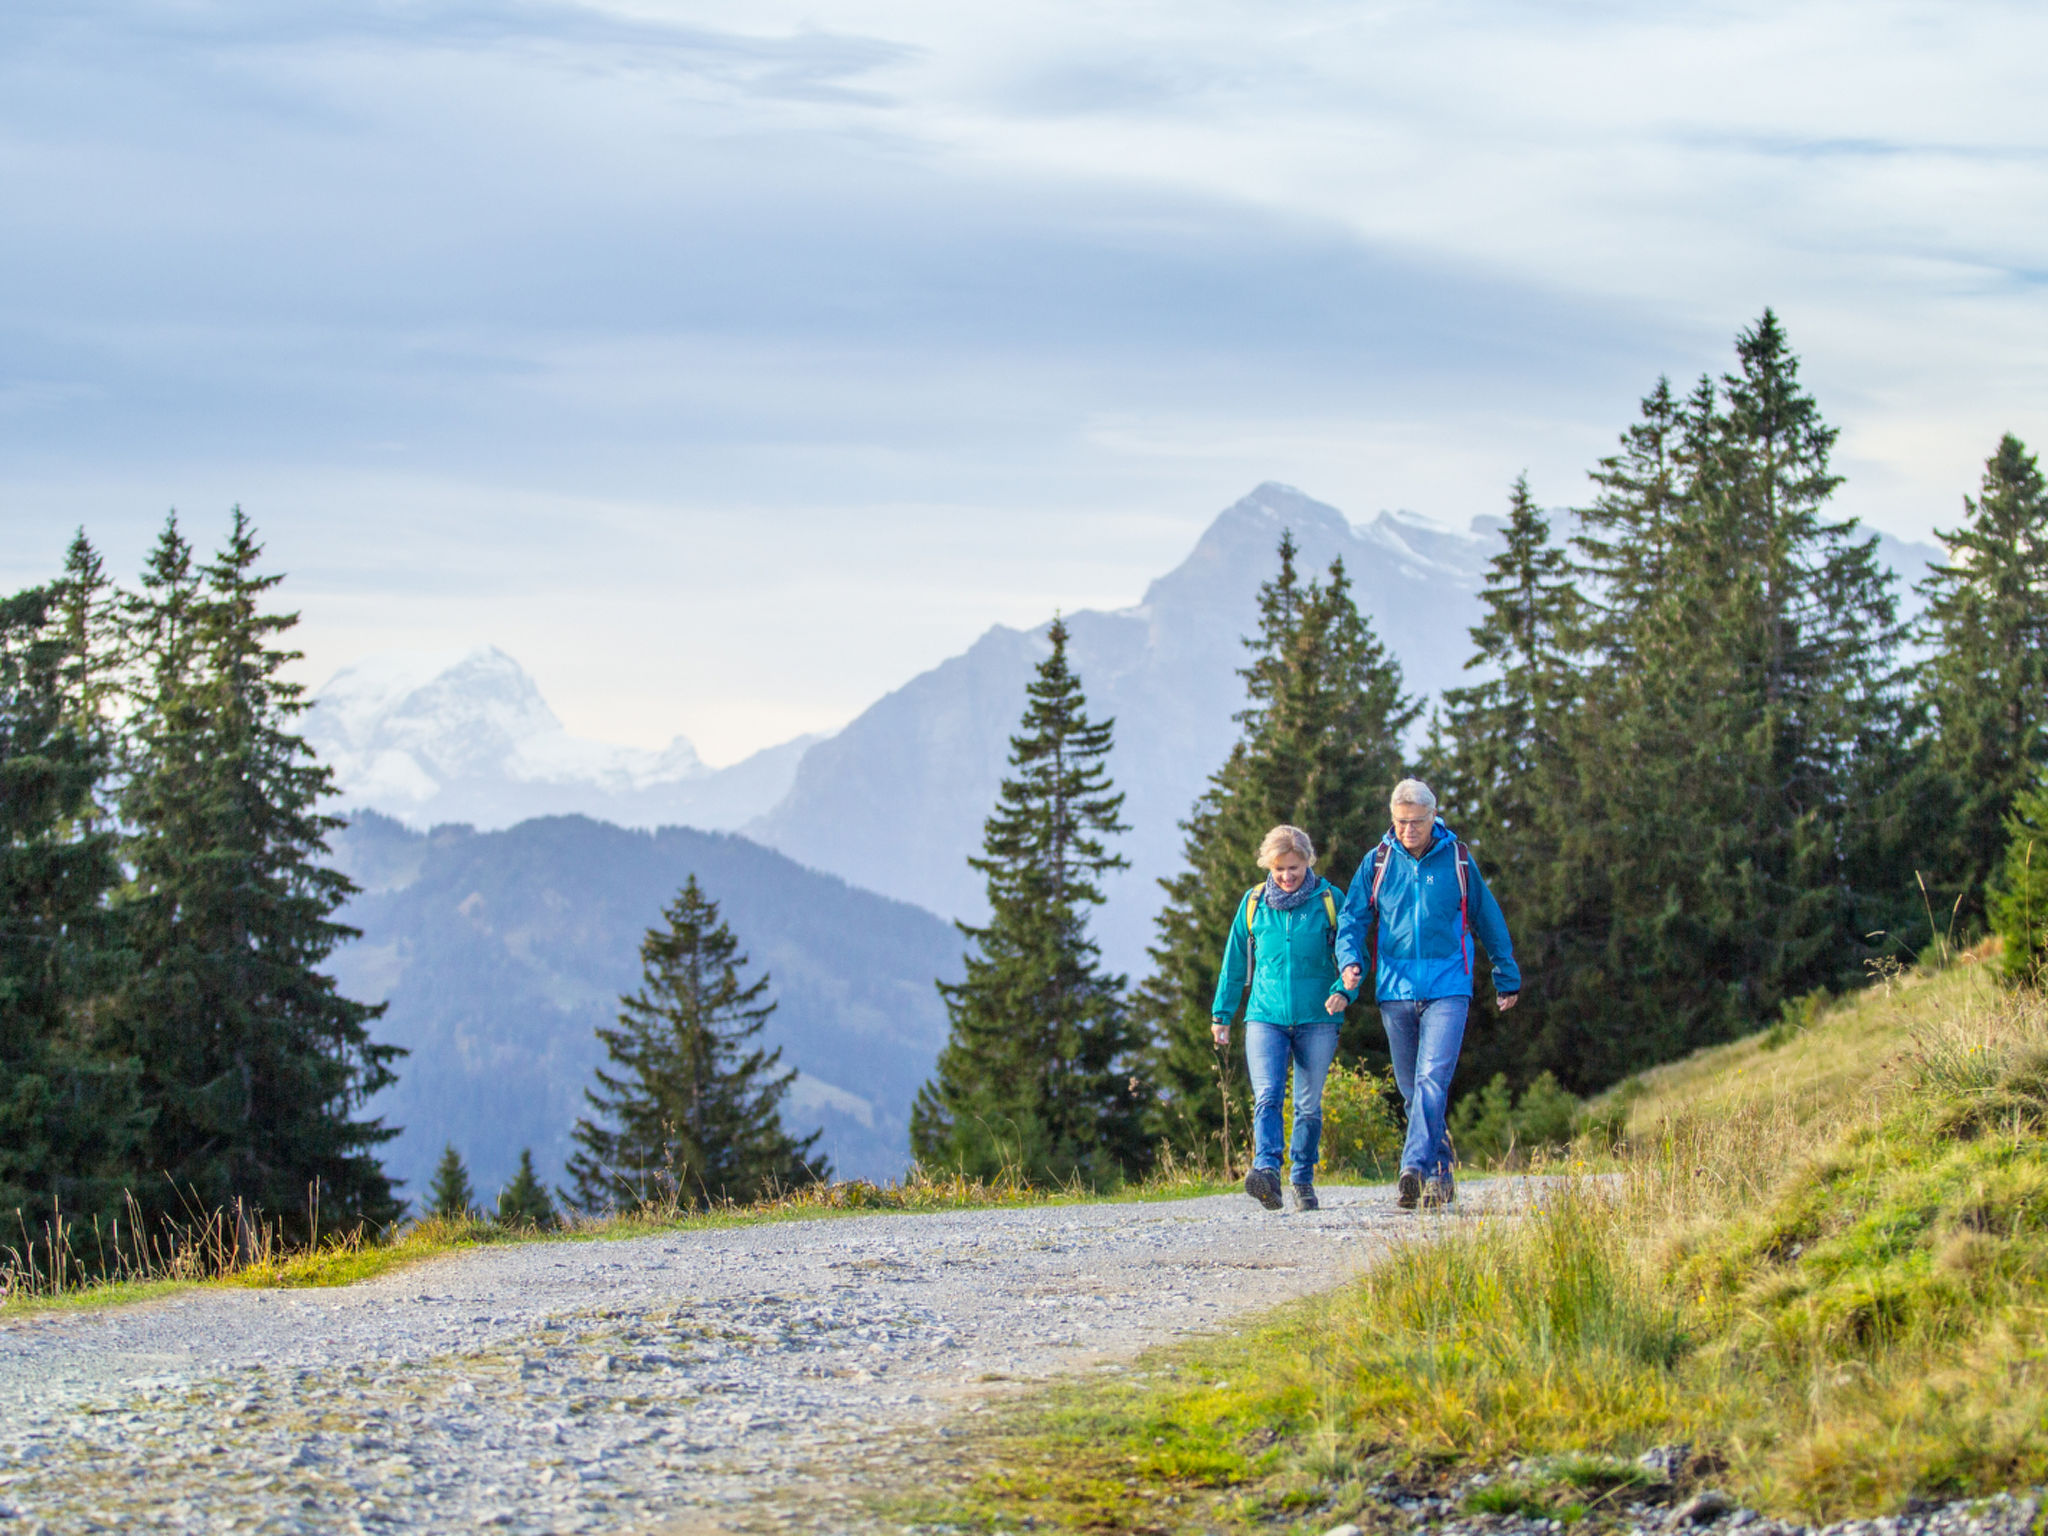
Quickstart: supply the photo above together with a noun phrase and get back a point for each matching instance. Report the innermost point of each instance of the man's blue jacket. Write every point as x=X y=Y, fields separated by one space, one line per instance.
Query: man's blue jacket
x=1425 y=950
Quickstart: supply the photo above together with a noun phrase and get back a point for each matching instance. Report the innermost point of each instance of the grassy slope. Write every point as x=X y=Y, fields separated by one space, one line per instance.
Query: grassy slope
x=1821 y=1263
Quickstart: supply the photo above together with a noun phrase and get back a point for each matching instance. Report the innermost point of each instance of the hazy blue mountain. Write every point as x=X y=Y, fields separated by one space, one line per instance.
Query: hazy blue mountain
x=465 y=736
x=896 y=800
x=501 y=952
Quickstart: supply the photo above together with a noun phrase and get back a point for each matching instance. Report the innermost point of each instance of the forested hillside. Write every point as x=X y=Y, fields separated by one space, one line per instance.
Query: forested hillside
x=501 y=953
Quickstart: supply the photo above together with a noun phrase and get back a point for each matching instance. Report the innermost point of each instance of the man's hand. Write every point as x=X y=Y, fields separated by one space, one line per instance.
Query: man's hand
x=1336 y=1002
x=1351 y=977
x=1220 y=1033
x=1507 y=1000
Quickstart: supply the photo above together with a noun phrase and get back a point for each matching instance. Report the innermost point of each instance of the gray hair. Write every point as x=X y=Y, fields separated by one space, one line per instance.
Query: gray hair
x=1413 y=792
x=1284 y=839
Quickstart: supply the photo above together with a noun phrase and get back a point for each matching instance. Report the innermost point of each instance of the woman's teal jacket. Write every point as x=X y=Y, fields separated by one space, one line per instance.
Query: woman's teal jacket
x=1291 y=957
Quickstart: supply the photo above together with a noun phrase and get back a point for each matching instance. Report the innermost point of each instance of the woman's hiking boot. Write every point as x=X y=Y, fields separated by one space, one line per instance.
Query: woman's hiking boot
x=1438 y=1192
x=1410 y=1189
x=1263 y=1185
x=1305 y=1198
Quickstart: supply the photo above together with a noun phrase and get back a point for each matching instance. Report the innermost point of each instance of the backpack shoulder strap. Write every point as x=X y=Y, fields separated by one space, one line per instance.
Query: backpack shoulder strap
x=1379 y=871
x=1464 y=860
x=1251 y=905
x=1330 y=908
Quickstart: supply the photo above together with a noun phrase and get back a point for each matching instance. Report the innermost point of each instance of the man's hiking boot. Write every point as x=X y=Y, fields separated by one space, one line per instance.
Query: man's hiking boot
x=1410 y=1189
x=1305 y=1198
x=1263 y=1186
x=1437 y=1193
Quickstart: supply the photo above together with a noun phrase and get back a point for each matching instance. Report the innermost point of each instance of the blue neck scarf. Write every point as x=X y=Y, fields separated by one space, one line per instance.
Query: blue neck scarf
x=1287 y=901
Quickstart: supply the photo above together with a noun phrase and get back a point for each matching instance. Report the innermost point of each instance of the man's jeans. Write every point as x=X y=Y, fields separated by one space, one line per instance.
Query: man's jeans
x=1268 y=1048
x=1425 y=1037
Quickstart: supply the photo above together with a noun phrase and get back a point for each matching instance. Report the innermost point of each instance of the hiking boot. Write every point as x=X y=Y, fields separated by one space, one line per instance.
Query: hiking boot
x=1438 y=1192
x=1263 y=1186
x=1305 y=1198
x=1410 y=1189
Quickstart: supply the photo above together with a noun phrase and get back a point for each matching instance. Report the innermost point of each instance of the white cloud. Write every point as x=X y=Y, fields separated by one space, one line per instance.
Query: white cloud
x=986 y=308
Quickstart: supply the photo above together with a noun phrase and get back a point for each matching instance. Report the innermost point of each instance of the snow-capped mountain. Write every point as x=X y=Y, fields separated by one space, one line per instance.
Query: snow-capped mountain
x=465 y=736
x=896 y=800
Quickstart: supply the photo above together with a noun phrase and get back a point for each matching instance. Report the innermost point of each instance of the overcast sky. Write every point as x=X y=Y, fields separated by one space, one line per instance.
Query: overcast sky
x=729 y=364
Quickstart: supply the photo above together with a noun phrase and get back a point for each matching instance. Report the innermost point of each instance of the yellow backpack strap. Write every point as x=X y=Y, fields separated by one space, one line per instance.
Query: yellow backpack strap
x=1251 y=905
x=1330 y=908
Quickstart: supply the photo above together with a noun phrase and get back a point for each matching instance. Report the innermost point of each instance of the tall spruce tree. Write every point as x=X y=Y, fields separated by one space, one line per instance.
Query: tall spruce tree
x=693 y=1112
x=1985 y=680
x=70 y=1117
x=1320 y=747
x=252 y=1061
x=1037 y=1073
x=1501 y=763
x=1730 y=812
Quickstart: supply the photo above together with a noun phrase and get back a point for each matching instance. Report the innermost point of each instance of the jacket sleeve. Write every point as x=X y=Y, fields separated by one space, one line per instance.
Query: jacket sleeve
x=1230 y=981
x=1353 y=916
x=1492 y=927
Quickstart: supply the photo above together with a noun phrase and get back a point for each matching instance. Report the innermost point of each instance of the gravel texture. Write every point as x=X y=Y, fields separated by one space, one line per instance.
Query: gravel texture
x=660 y=1383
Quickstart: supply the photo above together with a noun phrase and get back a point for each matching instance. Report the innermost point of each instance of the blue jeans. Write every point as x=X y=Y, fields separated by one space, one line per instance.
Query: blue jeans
x=1268 y=1048
x=1424 y=1037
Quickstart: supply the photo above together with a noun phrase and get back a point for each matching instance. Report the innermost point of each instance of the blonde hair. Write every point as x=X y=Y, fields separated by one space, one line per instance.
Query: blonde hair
x=1285 y=840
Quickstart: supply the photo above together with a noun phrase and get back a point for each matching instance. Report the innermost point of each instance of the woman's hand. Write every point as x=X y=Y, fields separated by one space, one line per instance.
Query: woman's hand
x=1220 y=1033
x=1336 y=1002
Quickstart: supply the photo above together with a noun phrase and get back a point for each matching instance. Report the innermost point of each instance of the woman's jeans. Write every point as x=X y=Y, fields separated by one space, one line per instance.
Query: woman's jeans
x=1268 y=1048
x=1424 y=1037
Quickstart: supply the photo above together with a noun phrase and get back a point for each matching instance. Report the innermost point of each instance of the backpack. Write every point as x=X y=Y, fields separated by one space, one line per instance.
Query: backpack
x=1380 y=854
x=1251 y=939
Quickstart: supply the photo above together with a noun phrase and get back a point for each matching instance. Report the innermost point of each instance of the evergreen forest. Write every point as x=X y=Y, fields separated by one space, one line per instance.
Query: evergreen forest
x=1705 y=767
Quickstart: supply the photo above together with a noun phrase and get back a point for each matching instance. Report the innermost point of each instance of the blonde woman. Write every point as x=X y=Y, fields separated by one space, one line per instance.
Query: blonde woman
x=1281 y=950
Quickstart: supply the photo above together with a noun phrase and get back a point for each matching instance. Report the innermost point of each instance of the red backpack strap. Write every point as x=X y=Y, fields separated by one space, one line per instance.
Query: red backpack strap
x=1379 y=875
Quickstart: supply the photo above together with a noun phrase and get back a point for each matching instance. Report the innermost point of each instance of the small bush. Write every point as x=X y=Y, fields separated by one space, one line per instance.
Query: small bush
x=1494 y=1126
x=1361 y=1132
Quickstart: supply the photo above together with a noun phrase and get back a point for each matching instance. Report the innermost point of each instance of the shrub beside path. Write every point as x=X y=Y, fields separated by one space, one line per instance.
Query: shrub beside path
x=683 y=1381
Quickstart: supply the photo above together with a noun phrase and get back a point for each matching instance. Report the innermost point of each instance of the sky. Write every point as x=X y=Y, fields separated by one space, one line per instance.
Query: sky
x=729 y=365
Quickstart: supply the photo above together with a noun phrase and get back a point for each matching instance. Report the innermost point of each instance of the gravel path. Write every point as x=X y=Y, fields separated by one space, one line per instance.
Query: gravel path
x=659 y=1383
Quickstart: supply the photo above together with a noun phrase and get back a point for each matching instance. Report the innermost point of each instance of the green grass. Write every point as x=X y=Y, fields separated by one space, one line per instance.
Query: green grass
x=1821 y=1262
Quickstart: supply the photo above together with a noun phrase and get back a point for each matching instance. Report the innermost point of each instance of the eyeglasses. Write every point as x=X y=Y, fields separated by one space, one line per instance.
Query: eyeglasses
x=1414 y=821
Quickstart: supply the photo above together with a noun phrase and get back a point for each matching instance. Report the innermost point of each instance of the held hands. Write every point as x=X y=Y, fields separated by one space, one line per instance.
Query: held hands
x=1351 y=977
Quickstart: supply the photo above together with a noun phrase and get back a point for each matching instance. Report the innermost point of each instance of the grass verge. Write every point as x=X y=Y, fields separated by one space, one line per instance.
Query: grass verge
x=220 y=1252
x=1822 y=1265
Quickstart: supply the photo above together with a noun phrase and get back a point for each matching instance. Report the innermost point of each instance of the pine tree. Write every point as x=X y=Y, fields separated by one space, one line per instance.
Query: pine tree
x=2019 y=897
x=693 y=1113
x=1036 y=1075
x=69 y=1115
x=1320 y=748
x=450 y=1196
x=1986 y=679
x=253 y=1063
x=524 y=1202
x=1731 y=808
x=1501 y=764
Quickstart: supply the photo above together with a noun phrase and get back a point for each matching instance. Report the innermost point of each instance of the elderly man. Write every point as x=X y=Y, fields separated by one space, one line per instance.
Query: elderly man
x=1415 y=905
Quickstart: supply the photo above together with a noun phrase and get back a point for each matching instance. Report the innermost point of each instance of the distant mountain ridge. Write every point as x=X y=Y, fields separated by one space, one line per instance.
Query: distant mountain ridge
x=895 y=801
x=500 y=954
